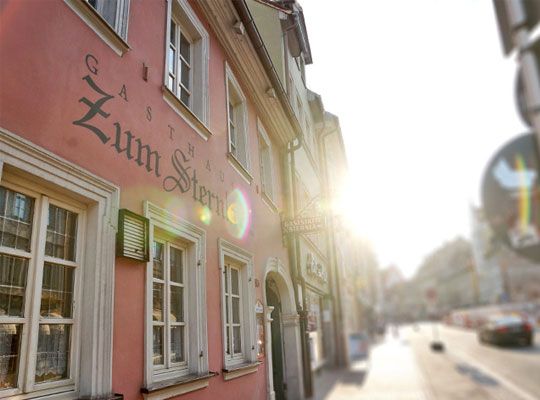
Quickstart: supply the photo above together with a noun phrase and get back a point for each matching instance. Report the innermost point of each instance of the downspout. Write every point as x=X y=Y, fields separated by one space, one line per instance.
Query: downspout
x=293 y=247
x=306 y=353
x=334 y=282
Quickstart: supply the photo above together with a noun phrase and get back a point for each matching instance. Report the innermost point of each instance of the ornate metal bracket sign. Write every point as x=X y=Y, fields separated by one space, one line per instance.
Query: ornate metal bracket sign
x=304 y=225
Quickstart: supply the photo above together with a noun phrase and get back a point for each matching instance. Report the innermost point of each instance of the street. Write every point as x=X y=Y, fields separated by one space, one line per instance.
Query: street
x=404 y=367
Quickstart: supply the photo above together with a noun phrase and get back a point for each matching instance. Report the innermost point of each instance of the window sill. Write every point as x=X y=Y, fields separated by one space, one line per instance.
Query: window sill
x=174 y=387
x=188 y=115
x=270 y=203
x=96 y=22
x=236 y=371
x=115 y=396
x=244 y=173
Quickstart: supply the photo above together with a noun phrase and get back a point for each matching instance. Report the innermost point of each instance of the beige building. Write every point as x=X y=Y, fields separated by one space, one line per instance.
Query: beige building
x=314 y=165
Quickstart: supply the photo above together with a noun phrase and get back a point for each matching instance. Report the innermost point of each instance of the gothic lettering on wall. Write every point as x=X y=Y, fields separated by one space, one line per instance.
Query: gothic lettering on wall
x=123 y=93
x=151 y=159
x=183 y=176
x=185 y=181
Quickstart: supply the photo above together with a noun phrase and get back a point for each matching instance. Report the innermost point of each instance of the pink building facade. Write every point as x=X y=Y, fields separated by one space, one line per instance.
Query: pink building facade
x=141 y=186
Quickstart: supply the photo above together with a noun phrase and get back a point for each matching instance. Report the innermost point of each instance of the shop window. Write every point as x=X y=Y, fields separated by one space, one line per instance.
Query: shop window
x=54 y=257
x=176 y=339
x=237 y=126
x=266 y=164
x=238 y=311
x=186 y=71
x=107 y=18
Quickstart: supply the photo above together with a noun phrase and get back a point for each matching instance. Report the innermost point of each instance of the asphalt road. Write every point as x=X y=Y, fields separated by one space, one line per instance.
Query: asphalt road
x=470 y=370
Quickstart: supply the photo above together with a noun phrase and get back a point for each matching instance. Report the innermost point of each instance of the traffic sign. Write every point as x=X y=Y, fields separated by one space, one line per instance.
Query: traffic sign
x=511 y=196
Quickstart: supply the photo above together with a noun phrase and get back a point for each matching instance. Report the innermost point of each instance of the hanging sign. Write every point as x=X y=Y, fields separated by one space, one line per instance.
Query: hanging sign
x=304 y=225
x=511 y=196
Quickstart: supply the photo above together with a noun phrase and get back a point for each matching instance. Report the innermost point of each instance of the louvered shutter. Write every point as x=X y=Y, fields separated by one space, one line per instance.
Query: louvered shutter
x=133 y=236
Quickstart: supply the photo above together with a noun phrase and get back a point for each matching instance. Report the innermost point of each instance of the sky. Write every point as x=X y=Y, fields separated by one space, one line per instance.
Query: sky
x=425 y=98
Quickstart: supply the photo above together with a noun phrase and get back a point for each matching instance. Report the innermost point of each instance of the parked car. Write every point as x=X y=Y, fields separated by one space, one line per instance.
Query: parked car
x=506 y=329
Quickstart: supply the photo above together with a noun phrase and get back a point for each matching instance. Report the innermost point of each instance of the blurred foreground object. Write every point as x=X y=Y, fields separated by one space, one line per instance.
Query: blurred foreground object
x=510 y=189
x=511 y=196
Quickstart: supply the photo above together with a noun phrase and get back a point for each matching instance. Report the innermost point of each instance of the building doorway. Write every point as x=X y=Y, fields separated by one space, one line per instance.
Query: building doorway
x=273 y=300
x=282 y=327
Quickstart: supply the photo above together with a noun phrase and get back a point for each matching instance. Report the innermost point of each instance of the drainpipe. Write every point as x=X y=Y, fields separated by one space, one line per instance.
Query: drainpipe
x=293 y=246
x=333 y=276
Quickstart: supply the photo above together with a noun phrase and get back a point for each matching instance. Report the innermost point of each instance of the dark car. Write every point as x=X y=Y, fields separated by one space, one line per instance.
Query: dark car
x=506 y=330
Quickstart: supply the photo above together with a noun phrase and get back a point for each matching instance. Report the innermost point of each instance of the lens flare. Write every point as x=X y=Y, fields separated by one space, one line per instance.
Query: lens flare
x=205 y=215
x=176 y=207
x=238 y=214
x=524 y=195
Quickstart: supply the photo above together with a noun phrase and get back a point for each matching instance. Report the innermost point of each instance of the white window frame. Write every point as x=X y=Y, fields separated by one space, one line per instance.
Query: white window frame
x=267 y=165
x=114 y=36
x=46 y=173
x=197 y=113
x=193 y=240
x=236 y=152
x=227 y=307
x=33 y=291
x=230 y=254
x=169 y=366
x=176 y=74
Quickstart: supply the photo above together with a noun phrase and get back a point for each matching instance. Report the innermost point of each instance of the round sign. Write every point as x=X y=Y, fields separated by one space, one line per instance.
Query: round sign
x=511 y=196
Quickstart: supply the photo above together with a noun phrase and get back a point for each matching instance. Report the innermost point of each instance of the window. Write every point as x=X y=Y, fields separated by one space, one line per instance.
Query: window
x=107 y=18
x=266 y=163
x=168 y=306
x=232 y=289
x=309 y=137
x=115 y=12
x=300 y=111
x=180 y=71
x=291 y=89
x=48 y=273
x=176 y=338
x=186 y=68
x=237 y=125
x=48 y=241
x=238 y=311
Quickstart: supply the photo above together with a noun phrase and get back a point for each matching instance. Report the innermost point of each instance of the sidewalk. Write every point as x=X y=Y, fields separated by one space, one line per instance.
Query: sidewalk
x=390 y=374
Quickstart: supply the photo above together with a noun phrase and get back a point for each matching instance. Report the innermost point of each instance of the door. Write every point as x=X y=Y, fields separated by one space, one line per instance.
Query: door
x=272 y=299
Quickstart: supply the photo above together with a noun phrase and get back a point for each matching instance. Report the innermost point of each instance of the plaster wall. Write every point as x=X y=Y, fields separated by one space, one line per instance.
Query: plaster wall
x=48 y=56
